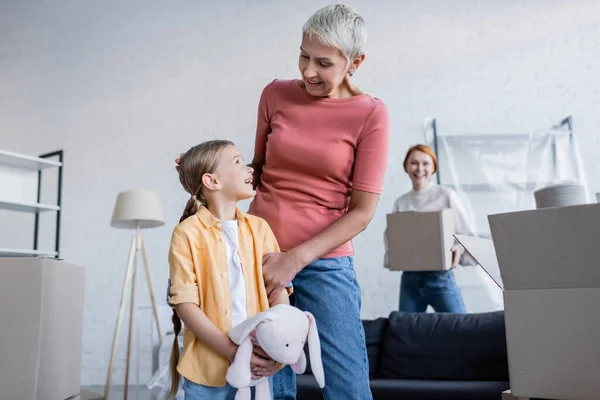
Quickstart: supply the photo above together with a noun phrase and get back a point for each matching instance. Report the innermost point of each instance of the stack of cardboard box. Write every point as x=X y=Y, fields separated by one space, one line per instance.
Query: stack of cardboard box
x=41 y=315
x=549 y=262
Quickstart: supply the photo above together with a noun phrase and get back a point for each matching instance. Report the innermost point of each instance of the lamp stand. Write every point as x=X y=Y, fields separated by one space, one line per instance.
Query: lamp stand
x=137 y=245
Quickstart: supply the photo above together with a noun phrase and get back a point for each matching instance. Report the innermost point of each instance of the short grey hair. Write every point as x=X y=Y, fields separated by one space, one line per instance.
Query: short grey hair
x=339 y=26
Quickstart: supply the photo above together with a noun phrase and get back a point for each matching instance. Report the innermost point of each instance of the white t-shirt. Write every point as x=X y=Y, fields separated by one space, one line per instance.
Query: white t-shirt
x=434 y=198
x=237 y=282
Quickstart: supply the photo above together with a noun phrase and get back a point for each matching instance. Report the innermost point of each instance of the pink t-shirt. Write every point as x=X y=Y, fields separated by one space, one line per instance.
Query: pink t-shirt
x=316 y=151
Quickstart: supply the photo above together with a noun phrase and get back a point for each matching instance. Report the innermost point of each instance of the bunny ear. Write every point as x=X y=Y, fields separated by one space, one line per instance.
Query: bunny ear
x=314 y=350
x=238 y=373
x=240 y=332
x=299 y=366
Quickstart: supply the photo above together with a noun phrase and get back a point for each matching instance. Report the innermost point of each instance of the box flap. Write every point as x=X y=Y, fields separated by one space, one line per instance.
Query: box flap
x=484 y=254
x=548 y=248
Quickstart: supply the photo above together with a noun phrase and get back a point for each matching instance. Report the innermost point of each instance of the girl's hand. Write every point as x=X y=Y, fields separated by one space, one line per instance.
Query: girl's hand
x=262 y=365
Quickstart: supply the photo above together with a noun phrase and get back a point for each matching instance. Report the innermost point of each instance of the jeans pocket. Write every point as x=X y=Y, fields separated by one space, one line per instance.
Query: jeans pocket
x=350 y=260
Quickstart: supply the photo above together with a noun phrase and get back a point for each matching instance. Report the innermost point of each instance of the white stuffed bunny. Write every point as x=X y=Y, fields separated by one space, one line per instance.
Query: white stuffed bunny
x=281 y=332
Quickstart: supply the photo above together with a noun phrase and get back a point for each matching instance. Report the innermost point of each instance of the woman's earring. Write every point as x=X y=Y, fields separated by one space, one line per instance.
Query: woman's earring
x=350 y=73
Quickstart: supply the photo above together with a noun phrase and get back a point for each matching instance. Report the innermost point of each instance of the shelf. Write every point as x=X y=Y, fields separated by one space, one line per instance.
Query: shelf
x=27 y=207
x=25 y=253
x=28 y=162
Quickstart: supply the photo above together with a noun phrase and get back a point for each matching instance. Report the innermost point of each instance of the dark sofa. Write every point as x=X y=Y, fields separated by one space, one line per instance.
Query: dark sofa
x=421 y=356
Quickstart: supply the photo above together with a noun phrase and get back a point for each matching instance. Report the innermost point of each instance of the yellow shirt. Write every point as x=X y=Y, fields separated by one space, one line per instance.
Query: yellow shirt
x=199 y=275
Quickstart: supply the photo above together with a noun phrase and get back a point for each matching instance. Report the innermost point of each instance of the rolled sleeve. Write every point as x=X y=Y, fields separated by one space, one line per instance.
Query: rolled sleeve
x=183 y=279
x=271 y=246
x=372 y=152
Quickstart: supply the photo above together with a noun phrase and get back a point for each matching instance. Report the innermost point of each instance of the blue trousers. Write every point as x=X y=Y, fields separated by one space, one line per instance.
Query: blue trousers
x=193 y=391
x=435 y=288
x=328 y=289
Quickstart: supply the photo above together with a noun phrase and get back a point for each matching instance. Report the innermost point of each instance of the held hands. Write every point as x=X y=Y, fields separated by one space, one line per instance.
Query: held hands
x=278 y=270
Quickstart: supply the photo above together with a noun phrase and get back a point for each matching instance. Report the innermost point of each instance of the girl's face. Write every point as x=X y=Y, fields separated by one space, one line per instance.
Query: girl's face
x=323 y=68
x=419 y=168
x=233 y=175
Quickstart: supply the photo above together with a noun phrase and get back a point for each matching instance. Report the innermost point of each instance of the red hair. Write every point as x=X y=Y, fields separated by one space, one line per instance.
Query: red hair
x=425 y=149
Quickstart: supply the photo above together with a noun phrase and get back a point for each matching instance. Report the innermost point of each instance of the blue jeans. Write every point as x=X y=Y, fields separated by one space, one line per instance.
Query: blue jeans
x=194 y=391
x=435 y=288
x=328 y=289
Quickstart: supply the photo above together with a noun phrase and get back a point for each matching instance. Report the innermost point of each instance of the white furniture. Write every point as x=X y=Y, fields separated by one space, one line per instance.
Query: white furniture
x=13 y=167
x=41 y=309
x=134 y=210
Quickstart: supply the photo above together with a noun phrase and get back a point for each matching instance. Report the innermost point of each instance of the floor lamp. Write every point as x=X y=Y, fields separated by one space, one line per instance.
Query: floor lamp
x=134 y=210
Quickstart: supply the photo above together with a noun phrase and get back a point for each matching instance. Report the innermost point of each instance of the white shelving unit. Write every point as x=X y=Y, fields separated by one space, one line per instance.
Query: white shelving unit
x=31 y=163
x=26 y=253
x=23 y=161
x=27 y=207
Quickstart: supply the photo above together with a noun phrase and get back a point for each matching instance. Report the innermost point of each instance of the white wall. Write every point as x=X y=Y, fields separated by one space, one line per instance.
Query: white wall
x=123 y=87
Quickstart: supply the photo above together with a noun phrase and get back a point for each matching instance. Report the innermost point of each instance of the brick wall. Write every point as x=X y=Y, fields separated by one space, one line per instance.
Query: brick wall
x=123 y=87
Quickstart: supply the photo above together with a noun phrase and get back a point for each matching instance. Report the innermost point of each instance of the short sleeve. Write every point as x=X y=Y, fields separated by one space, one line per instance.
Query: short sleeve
x=184 y=284
x=263 y=123
x=270 y=242
x=271 y=246
x=372 y=152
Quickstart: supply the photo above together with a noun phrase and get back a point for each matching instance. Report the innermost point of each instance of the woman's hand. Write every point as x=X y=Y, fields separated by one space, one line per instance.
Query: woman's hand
x=278 y=270
x=263 y=365
x=457 y=252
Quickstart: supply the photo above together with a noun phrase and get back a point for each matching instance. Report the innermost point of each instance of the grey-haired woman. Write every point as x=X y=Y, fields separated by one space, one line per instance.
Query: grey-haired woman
x=320 y=157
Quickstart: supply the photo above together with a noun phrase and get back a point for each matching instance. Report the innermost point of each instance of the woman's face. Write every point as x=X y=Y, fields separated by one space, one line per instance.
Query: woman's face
x=419 y=168
x=323 y=68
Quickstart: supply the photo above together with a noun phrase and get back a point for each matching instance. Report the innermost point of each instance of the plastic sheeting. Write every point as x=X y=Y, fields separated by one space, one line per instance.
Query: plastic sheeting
x=497 y=173
x=160 y=383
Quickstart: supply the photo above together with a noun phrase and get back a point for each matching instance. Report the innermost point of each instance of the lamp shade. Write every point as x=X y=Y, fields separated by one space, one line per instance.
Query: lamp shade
x=137 y=208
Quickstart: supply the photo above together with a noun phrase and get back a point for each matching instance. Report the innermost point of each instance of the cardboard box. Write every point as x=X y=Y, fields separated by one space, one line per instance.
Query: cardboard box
x=41 y=314
x=549 y=261
x=420 y=241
